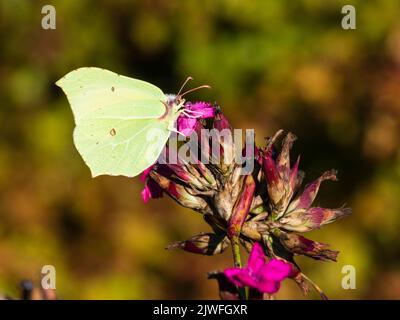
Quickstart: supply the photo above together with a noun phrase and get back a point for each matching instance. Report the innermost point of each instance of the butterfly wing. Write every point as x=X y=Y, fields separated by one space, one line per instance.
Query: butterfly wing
x=118 y=126
x=120 y=147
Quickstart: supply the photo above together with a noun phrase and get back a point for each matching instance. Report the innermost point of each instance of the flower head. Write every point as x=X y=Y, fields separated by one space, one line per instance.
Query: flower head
x=188 y=121
x=265 y=206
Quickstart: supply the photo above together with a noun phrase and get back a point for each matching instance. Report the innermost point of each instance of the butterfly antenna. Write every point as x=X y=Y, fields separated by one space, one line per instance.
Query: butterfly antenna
x=206 y=86
x=184 y=84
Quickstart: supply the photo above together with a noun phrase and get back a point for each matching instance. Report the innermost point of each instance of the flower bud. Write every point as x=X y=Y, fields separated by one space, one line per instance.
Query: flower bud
x=205 y=243
x=242 y=207
x=304 y=220
x=303 y=246
x=282 y=181
x=206 y=174
x=221 y=122
x=180 y=194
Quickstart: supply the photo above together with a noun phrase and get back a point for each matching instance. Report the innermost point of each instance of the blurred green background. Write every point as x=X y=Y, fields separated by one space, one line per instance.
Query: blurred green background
x=272 y=64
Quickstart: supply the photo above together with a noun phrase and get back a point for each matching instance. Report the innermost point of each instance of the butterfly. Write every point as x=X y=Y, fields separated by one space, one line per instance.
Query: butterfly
x=122 y=124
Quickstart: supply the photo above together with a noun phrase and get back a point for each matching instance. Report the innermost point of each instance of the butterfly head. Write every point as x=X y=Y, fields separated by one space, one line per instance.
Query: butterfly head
x=176 y=102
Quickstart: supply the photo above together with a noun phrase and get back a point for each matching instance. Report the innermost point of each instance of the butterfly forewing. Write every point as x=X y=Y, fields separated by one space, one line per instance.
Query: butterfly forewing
x=88 y=89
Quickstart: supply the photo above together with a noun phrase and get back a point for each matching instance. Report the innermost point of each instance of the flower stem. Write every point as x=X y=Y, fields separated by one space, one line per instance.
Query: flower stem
x=236 y=252
x=238 y=263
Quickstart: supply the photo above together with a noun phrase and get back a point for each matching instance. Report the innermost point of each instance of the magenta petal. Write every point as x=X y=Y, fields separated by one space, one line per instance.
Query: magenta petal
x=205 y=110
x=151 y=191
x=145 y=173
x=269 y=287
x=275 y=270
x=186 y=125
x=256 y=258
x=233 y=275
x=241 y=277
x=265 y=277
x=146 y=195
x=207 y=113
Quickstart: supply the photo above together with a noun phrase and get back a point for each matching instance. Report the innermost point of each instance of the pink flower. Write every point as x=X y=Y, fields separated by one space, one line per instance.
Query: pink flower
x=151 y=188
x=146 y=194
x=145 y=174
x=262 y=276
x=186 y=125
x=188 y=120
x=206 y=109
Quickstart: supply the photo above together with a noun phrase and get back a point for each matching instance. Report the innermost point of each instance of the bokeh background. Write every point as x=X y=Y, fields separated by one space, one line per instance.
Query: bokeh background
x=272 y=64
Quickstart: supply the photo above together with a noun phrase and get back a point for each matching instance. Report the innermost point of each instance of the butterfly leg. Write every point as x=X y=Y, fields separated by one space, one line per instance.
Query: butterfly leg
x=172 y=129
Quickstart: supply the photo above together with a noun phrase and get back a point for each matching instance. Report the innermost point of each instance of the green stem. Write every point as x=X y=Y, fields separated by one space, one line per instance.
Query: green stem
x=238 y=263
x=236 y=252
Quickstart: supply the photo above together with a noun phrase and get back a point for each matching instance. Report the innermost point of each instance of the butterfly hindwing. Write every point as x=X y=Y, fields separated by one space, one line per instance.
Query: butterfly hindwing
x=120 y=147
